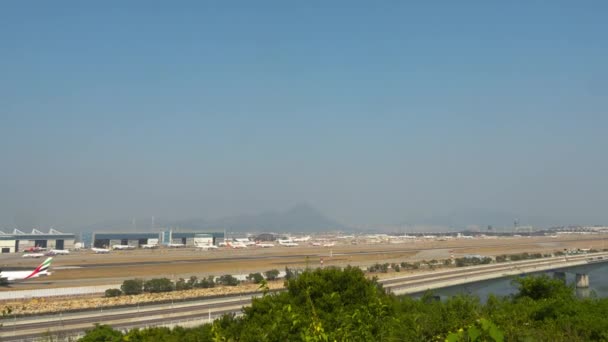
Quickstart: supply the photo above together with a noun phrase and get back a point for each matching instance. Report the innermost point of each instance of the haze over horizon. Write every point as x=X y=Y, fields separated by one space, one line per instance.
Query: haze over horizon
x=397 y=113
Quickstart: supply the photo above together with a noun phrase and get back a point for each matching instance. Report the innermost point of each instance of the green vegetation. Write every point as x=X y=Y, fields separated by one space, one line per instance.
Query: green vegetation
x=342 y=305
x=256 y=278
x=158 y=285
x=132 y=286
x=227 y=280
x=272 y=274
x=113 y=293
x=472 y=261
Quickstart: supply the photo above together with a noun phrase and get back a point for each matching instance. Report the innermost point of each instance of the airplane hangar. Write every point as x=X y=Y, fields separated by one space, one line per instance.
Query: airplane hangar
x=18 y=241
x=107 y=240
x=139 y=239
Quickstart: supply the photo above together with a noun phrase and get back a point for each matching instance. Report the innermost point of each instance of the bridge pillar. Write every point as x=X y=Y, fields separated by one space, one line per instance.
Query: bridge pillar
x=582 y=280
x=559 y=276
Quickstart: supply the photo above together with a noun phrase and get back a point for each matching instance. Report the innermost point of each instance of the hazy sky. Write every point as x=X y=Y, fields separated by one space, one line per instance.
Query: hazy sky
x=372 y=112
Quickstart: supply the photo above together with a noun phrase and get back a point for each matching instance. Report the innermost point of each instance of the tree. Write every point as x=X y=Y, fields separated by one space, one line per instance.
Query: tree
x=113 y=293
x=158 y=285
x=272 y=274
x=228 y=280
x=289 y=274
x=542 y=287
x=256 y=278
x=102 y=333
x=132 y=287
x=206 y=283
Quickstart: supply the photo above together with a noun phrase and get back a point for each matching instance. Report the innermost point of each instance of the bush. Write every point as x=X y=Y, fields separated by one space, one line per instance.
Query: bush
x=205 y=283
x=256 y=278
x=272 y=274
x=228 y=280
x=158 y=285
x=132 y=287
x=113 y=293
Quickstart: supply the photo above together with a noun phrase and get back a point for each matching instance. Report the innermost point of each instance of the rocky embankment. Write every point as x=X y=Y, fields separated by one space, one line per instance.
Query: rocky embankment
x=35 y=306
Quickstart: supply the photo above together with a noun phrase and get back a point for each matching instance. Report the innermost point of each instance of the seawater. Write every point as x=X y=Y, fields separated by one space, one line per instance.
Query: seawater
x=598 y=286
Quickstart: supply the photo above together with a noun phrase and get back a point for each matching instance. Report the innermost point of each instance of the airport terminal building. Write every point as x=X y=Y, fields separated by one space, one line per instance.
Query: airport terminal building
x=137 y=240
x=18 y=241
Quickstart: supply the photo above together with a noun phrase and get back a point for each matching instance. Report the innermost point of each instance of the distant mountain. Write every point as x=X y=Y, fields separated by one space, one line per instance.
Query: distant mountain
x=301 y=218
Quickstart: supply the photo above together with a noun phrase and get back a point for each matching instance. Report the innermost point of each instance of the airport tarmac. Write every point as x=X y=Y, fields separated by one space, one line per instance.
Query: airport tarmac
x=83 y=268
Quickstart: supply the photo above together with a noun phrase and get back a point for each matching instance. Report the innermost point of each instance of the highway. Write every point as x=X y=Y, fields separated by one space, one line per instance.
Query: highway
x=201 y=311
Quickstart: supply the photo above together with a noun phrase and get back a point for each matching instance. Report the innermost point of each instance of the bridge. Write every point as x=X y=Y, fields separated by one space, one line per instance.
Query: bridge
x=581 y=265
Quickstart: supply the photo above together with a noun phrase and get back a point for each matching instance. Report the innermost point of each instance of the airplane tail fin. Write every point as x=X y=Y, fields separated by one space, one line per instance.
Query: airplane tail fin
x=42 y=267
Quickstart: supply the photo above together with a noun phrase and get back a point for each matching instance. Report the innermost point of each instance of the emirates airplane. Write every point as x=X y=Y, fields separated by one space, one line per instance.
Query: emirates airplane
x=14 y=276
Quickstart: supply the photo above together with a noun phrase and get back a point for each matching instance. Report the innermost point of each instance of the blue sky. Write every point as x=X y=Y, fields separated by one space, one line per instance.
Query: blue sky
x=385 y=112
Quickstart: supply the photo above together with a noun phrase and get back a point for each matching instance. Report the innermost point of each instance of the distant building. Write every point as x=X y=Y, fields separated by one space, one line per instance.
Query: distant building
x=137 y=240
x=265 y=237
x=18 y=241
x=107 y=240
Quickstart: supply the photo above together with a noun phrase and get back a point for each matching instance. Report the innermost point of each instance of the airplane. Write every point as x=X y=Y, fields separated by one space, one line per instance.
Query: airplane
x=236 y=245
x=149 y=246
x=265 y=245
x=123 y=247
x=57 y=252
x=33 y=255
x=302 y=239
x=100 y=250
x=288 y=243
x=41 y=270
x=329 y=244
x=34 y=249
x=176 y=245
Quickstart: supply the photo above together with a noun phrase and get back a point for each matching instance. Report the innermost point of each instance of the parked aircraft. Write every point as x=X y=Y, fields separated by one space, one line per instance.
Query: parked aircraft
x=100 y=250
x=33 y=255
x=41 y=270
x=34 y=249
x=265 y=245
x=57 y=252
x=288 y=243
x=236 y=245
x=123 y=247
x=176 y=245
x=302 y=239
x=149 y=246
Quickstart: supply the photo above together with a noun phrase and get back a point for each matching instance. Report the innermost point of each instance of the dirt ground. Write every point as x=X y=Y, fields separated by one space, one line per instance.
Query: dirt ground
x=82 y=268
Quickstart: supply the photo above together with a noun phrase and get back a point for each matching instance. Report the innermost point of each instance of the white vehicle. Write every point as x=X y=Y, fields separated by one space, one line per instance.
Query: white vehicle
x=100 y=250
x=149 y=246
x=265 y=245
x=123 y=247
x=41 y=270
x=33 y=255
x=288 y=243
x=176 y=245
x=329 y=244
